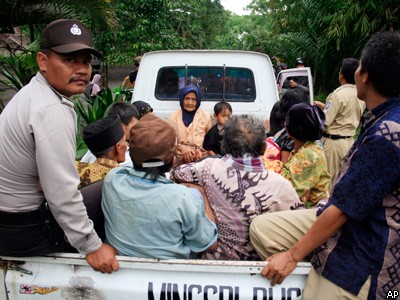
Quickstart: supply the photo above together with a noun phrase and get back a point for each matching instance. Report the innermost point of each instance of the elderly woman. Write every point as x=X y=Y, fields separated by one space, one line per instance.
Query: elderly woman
x=238 y=187
x=193 y=123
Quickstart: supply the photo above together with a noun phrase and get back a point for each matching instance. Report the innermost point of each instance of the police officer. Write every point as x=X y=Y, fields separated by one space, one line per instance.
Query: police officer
x=37 y=155
x=343 y=112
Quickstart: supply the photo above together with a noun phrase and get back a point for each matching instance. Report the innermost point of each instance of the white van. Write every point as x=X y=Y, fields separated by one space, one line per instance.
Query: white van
x=243 y=78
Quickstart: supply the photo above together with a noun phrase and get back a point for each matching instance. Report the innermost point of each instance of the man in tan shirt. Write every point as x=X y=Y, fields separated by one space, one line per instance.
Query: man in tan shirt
x=343 y=112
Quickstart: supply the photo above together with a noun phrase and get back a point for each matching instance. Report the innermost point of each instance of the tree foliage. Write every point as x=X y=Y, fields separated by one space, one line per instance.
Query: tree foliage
x=324 y=32
x=236 y=29
x=17 y=71
x=160 y=24
x=37 y=13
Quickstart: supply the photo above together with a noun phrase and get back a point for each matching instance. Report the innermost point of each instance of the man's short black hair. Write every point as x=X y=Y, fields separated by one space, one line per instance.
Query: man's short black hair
x=348 y=69
x=381 y=59
x=221 y=106
x=124 y=110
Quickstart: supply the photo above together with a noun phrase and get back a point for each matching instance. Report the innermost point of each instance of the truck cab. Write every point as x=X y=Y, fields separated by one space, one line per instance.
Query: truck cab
x=245 y=79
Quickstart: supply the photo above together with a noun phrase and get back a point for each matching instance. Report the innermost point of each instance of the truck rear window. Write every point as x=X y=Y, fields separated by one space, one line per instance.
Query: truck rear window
x=215 y=83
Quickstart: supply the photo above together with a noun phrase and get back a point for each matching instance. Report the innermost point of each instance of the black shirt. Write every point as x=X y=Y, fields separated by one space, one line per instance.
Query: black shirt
x=212 y=140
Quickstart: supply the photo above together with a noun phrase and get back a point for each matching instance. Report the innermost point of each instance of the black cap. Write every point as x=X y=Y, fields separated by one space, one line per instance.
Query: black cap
x=66 y=36
x=142 y=107
x=299 y=61
x=103 y=134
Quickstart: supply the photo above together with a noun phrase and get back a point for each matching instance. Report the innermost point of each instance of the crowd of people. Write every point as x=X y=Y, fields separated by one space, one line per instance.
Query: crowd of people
x=189 y=187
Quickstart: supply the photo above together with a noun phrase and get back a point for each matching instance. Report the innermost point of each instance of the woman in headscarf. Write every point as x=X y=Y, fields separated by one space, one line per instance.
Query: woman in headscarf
x=192 y=122
x=96 y=88
x=306 y=167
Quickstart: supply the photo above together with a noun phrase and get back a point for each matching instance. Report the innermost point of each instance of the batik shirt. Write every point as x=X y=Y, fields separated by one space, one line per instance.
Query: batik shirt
x=368 y=192
x=238 y=190
x=307 y=170
x=89 y=173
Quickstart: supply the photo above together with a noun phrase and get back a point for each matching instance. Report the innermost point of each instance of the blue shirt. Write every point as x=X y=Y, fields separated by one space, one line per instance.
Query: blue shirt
x=368 y=192
x=154 y=219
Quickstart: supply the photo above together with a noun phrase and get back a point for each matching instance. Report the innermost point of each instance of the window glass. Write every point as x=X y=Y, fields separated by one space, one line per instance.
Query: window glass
x=215 y=83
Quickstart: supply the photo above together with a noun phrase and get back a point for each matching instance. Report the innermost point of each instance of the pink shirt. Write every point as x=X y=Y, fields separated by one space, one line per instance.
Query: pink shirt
x=196 y=130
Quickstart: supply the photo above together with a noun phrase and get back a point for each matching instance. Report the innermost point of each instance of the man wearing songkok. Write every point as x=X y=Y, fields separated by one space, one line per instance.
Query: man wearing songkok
x=106 y=140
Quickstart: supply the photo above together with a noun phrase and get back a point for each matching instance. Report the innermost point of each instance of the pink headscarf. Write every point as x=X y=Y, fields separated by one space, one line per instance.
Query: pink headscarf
x=96 y=87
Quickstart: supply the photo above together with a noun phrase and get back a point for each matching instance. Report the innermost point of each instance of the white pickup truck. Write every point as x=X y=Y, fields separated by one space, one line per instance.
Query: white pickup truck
x=68 y=276
x=247 y=81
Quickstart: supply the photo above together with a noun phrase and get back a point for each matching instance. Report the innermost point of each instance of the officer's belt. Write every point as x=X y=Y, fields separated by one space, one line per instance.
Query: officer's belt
x=33 y=217
x=335 y=136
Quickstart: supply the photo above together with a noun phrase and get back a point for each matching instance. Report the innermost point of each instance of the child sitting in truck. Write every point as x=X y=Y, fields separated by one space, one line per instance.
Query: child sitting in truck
x=277 y=120
x=212 y=140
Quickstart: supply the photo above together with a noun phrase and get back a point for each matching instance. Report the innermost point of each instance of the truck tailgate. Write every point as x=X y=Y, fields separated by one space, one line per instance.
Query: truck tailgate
x=68 y=276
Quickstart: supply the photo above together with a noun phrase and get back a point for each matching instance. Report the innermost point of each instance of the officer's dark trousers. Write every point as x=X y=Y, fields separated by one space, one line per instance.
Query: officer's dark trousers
x=37 y=233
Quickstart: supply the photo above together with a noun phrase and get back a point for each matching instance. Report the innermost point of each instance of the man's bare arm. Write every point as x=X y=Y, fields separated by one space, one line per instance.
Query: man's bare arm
x=319 y=104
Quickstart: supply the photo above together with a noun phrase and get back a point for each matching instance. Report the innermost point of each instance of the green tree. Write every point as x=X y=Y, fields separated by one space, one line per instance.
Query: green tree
x=125 y=28
x=359 y=19
x=325 y=32
x=160 y=24
x=237 y=27
x=37 y=13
